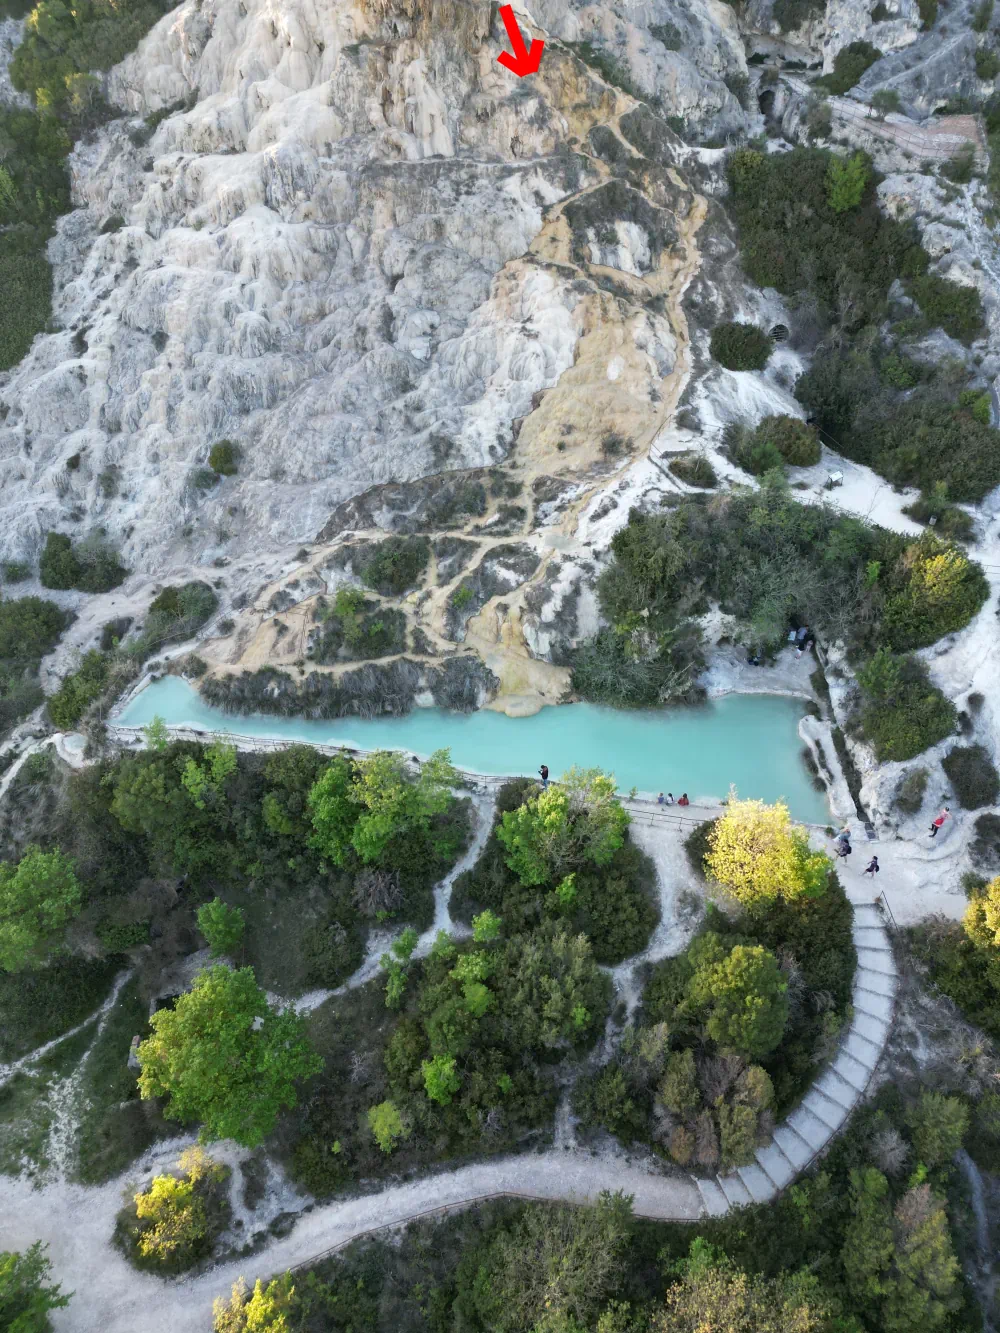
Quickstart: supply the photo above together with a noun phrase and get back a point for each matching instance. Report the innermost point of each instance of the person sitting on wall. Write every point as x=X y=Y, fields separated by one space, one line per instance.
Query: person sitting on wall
x=684 y=800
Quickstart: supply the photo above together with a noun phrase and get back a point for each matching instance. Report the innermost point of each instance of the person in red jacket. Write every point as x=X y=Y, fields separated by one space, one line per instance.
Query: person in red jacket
x=941 y=819
x=684 y=800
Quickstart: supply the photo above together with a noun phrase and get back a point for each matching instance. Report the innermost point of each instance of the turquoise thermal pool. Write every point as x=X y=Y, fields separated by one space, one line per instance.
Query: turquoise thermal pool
x=747 y=740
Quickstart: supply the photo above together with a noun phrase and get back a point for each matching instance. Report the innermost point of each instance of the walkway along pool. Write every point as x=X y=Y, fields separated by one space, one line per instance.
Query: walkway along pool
x=750 y=740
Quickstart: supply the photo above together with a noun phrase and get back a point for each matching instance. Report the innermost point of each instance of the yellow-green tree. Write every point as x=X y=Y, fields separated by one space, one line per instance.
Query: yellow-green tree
x=173 y=1223
x=756 y=853
x=264 y=1310
x=982 y=917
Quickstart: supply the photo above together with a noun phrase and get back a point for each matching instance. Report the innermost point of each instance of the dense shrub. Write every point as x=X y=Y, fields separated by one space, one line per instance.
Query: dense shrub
x=694 y=469
x=777 y=440
x=91 y=567
x=767 y=559
x=792 y=239
x=29 y=628
x=972 y=775
x=957 y=309
x=224 y=457
x=928 y=440
x=948 y=520
x=614 y=903
x=395 y=565
x=795 y=441
x=964 y=960
x=740 y=346
x=849 y=65
x=78 y=691
x=631 y=668
x=175 y=1222
x=902 y=713
x=354 y=628
x=910 y=792
x=175 y=614
x=679 y=1081
x=985 y=846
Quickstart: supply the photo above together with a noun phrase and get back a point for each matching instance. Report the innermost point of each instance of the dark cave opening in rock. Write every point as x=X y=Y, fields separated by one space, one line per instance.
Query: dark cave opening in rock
x=766 y=101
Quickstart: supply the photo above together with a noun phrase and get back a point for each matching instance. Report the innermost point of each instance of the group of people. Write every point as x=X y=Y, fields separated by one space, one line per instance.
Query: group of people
x=669 y=799
x=801 y=637
x=842 y=849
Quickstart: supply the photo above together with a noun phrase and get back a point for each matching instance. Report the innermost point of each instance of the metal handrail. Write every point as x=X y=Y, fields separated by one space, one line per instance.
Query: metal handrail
x=644 y=809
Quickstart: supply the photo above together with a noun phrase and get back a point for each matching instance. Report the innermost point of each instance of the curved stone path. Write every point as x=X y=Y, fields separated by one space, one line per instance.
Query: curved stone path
x=828 y=1104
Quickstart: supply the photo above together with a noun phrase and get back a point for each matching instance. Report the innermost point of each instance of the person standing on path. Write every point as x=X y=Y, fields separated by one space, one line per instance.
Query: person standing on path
x=543 y=773
x=942 y=818
x=872 y=868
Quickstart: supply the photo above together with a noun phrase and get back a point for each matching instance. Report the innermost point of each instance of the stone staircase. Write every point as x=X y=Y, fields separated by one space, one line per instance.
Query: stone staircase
x=828 y=1104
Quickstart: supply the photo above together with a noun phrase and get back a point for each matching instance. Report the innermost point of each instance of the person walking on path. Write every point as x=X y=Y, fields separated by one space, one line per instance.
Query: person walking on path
x=942 y=818
x=872 y=868
x=543 y=773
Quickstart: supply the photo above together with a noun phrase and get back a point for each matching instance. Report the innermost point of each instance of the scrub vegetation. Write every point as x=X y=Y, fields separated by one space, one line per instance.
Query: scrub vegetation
x=963 y=958
x=30 y=627
x=865 y=1241
x=144 y=855
x=55 y=64
x=769 y=561
x=810 y=225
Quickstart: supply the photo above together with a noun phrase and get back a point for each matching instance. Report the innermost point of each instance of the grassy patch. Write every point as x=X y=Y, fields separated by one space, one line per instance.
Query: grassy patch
x=37 y=1006
x=115 y=1127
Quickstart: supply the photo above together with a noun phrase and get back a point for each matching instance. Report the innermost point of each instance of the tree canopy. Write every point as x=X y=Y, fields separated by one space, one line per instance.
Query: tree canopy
x=26 y=1294
x=38 y=897
x=759 y=855
x=224 y=1057
x=575 y=821
x=358 y=809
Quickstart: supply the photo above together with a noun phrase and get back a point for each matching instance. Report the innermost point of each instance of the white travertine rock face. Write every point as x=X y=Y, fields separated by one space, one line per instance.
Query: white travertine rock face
x=304 y=257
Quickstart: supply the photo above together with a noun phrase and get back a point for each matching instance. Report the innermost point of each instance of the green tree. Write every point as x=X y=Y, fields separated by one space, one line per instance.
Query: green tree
x=678 y=1090
x=551 y=993
x=26 y=1294
x=366 y=807
x=156 y=734
x=745 y=998
x=387 y=1125
x=486 y=927
x=556 y=1262
x=868 y=1245
x=758 y=855
x=441 y=1079
x=576 y=821
x=333 y=810
x=265 y=1310
x=204 y=779
x=224 y=1057
x=925 y=1273
x=38 y=897
x=222 y=926
x=886 y=100
x=938 y=1125
x=291 y=775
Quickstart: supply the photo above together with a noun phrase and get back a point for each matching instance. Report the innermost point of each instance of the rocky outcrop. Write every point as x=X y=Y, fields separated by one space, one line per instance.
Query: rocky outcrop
x=322 y=244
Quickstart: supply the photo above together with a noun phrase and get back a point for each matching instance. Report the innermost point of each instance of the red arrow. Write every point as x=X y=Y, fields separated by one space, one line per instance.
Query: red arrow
x=522 y=61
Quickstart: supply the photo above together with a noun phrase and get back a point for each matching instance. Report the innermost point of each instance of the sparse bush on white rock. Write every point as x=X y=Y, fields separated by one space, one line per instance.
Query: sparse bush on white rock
x=323 y=259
